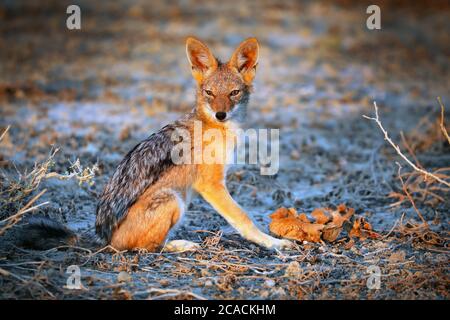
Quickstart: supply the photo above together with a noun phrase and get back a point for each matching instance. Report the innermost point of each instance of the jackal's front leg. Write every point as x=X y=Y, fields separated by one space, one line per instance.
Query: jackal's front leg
x=218 y=196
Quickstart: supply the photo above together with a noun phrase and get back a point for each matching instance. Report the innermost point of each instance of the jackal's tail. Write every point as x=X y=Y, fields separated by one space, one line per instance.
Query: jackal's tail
x=41 y=233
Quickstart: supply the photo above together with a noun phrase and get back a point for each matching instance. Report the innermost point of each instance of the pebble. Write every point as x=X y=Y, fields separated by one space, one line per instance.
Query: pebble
x=269 y=283
x=208 y=283
x=124 y=276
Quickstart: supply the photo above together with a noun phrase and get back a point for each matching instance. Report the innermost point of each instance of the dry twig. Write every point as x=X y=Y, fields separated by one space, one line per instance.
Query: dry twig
x=4 y=133
x=441 y=123
x=399 y=152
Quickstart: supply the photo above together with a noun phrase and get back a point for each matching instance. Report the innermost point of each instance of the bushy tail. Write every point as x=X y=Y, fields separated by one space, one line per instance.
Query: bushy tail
x=41 y=233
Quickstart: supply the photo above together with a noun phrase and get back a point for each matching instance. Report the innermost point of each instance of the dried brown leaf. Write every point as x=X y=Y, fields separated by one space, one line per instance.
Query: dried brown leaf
x=320 y=216
x=286 y=223
x=328 y=224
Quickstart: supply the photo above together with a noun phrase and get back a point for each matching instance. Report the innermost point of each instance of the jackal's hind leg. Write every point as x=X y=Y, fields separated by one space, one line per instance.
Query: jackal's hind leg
x=148 y=222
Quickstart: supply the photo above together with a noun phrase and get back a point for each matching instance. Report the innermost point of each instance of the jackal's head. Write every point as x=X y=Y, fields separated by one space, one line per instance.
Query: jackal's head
x=223 y=89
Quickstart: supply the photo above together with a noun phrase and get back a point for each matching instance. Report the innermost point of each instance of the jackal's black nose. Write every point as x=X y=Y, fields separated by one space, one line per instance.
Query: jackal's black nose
x=221 y=115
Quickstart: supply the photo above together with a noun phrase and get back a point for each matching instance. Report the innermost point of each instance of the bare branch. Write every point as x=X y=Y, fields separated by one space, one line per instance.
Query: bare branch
x=4 y=132
x=443 y=129
x=14 y=219
x=397 y=149
x=405 y=189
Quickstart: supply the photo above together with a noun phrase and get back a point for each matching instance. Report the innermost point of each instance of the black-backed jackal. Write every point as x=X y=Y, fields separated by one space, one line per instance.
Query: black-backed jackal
x=148 y=192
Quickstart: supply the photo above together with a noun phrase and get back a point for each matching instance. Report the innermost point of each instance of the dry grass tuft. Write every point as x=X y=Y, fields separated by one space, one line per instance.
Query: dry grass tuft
x=20 y=193
x=425 y=173
x=419 y=184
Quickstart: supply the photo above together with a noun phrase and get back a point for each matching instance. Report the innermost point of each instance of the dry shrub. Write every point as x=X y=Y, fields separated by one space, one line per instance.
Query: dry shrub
x=20 y=193
x=420 y=184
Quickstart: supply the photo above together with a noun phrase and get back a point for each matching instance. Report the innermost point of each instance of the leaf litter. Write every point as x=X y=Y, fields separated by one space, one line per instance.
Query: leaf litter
x=328 y=224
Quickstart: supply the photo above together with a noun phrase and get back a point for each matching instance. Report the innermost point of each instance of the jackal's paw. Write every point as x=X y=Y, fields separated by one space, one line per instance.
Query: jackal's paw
x=280 y=244
x=180 y=246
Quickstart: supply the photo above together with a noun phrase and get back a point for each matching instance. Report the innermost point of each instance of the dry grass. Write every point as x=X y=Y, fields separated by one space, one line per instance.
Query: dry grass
x=216 y=270
x=20 y=193
x=425 y=173
x=420 y=184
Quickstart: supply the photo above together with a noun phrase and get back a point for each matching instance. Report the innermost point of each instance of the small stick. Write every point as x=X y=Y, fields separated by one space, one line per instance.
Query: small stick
x=397 y=148
x=405 y=189
x=169 y=293
x=443 y=129
x=4 y=132
x=15 y=218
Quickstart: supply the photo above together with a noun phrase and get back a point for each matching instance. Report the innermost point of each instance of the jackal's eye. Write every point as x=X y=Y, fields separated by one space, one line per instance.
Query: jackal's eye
x=209 y=93
x=234 y=93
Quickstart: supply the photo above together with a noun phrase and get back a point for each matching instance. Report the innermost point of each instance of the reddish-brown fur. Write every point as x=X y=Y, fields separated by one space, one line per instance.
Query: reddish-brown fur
x=156 y=211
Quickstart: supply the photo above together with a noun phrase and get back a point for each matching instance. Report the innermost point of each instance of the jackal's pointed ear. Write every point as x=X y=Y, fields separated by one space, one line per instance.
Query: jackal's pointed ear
x=201 y=59
x=245 y=59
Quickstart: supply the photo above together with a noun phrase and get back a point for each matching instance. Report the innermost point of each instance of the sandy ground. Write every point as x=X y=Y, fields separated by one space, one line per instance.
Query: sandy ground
x=96 y=92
